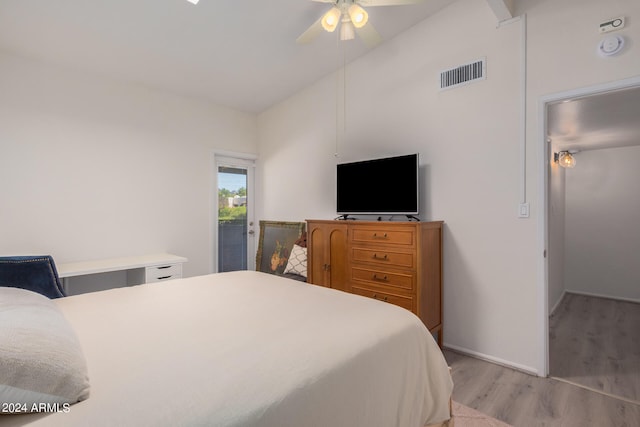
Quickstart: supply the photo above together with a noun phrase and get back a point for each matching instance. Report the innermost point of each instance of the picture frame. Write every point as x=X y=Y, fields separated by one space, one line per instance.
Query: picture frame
x=275 y=244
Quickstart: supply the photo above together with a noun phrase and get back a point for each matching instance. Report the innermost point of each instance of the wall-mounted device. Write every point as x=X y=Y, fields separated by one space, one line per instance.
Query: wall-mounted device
x=610 y=45
x=612 y=25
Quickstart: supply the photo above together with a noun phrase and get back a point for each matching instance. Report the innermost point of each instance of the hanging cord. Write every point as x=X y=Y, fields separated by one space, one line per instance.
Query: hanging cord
x=337 y=98
x=342 y=62
x=344 y=89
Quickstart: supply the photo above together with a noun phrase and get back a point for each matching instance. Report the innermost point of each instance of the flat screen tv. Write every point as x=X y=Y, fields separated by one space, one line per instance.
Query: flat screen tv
x=380 y=186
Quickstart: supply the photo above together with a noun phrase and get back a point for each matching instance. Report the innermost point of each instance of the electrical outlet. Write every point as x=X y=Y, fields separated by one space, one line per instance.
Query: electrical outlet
x=523 y=210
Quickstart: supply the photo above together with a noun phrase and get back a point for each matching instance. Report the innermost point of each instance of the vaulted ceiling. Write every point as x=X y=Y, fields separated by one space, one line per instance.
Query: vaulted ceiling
x=241 y=54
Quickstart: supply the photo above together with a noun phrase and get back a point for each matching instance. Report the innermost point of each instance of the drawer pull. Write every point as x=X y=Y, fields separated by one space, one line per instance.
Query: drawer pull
x=382 y=279
x=383 y=236
x=163 y=267
x=375 y=296
x=385 y=257
x=164 y=277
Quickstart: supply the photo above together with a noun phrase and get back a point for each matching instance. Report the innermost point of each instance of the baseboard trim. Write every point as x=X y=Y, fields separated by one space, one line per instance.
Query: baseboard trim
x=595 y=390
x=588 y=294
x=507 y=364
x=557 y=304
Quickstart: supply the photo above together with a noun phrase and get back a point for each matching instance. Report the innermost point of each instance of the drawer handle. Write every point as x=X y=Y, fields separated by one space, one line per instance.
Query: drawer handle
x=375 y=236
x=382 y=279
x=384 y=258
x=375 y=296
x=164 y=277
x=163 y=267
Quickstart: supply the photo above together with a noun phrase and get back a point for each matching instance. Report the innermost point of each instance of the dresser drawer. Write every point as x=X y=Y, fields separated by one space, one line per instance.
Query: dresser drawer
x=404 y=302
x=382 y=256
x=392 y=236
x=160 y=273
x=385 y=279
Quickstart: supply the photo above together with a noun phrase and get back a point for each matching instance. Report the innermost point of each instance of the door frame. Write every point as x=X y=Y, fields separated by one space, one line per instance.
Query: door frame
x=231 y=158
x=544 y=169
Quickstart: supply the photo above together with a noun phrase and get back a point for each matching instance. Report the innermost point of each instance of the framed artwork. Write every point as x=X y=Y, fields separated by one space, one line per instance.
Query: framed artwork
x=275 y=244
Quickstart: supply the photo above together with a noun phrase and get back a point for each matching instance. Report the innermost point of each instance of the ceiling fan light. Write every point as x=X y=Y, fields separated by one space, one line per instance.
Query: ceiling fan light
x=359 y=16
x=347 y=32
x=193 y=1
x=331 y=19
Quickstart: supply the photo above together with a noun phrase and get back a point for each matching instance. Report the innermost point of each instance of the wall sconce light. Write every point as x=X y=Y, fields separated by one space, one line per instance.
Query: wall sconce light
x=565 y=159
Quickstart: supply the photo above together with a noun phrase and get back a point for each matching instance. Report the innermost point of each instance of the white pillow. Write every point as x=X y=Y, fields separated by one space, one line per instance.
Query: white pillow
x=297 y=263
x=42 y=367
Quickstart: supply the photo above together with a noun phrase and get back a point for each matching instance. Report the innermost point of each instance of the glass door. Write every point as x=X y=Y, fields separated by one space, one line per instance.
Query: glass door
x=235 y=231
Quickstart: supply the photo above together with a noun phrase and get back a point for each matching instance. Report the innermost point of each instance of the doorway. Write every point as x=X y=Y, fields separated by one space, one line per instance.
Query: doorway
x=591 y=299
x=234 y=214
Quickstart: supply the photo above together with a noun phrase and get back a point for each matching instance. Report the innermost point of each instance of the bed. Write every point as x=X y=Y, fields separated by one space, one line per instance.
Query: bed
x=249 y=349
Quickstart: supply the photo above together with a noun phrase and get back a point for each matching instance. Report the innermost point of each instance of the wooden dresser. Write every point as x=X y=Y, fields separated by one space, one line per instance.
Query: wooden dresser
x=396 y=262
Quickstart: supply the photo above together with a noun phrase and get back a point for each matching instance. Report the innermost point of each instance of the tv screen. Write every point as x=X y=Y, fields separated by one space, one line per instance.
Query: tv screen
x=380 y=186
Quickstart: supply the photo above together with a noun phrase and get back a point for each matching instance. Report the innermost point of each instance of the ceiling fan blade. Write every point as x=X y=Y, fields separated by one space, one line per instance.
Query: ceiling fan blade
x=370 y=3
x=311 y=33
x=369 y=35
x=325 y=1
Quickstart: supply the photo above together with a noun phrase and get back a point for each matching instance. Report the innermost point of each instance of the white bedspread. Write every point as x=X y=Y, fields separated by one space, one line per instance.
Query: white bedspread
x=250 y=349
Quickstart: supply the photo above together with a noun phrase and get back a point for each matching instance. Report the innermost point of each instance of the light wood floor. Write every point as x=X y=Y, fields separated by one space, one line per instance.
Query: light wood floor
x=524 y=400
x=595 y=342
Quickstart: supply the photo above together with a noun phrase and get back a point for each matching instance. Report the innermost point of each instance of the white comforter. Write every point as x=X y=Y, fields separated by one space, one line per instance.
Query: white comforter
x=251 y=349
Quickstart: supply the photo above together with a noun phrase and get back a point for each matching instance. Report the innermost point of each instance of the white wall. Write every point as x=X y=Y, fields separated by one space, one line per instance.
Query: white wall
x=91 y=168
x=468 y=139
x=556 y=243
x=602 y=233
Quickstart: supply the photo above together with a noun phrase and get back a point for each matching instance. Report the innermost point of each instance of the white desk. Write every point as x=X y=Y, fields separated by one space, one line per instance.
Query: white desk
x=139 y=269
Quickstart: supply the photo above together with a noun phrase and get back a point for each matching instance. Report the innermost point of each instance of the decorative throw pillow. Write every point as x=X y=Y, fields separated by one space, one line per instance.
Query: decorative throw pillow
x=42 y=366
x=297 y=263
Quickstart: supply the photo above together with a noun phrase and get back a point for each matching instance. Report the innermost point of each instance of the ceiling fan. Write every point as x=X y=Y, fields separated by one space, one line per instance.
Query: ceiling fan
x=352 y=18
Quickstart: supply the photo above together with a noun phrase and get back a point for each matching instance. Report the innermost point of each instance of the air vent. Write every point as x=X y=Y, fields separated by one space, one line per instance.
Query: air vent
x=463 y=74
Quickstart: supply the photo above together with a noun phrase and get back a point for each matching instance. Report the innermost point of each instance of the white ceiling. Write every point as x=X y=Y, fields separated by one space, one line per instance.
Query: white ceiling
x=241 y=54
x=604 y=120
